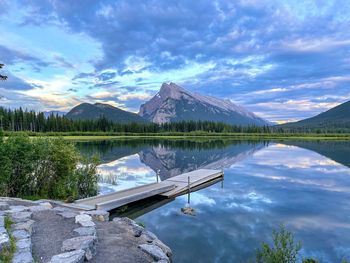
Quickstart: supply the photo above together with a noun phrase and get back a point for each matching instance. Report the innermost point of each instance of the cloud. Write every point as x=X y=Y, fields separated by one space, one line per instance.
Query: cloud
x=261 y=54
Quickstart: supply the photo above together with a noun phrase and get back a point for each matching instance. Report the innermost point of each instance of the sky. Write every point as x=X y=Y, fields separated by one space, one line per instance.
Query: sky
x=283 y=60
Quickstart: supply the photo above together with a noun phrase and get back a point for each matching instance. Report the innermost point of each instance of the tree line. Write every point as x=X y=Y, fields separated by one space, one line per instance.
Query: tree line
x=31 y=121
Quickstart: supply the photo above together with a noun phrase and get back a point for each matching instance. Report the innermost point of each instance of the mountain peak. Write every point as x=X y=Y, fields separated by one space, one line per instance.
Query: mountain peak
x=174 y=103
x=171 y=90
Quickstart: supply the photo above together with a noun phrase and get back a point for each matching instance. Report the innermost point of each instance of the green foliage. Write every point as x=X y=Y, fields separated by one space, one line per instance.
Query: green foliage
x=310 y=260
x=45 y=168
x=283 y=250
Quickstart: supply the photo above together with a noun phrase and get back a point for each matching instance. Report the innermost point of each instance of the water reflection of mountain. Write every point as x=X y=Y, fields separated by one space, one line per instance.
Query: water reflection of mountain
x=171 y=161
x=172 y=157
x=338 y=151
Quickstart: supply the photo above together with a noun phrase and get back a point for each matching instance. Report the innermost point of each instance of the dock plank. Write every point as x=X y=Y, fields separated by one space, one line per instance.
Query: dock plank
x=171 y=187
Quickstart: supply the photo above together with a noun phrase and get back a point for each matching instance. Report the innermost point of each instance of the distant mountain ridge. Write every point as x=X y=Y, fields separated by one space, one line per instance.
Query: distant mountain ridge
x=173 y=103
x=337 y=117
x=87 y=111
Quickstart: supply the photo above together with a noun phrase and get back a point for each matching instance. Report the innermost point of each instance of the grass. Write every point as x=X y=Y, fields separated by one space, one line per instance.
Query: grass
x=93 y=136
x=238 y=136
x=7 y=253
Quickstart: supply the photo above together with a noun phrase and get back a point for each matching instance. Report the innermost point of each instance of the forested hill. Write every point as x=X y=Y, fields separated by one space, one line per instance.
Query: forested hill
x=337 y=118
x=87 y=111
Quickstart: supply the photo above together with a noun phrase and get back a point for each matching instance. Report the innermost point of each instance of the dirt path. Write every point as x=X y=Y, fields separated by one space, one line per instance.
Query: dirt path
x=50 y=230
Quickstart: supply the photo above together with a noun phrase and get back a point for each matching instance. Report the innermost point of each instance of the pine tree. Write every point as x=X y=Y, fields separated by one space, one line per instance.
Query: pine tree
x=2 y=77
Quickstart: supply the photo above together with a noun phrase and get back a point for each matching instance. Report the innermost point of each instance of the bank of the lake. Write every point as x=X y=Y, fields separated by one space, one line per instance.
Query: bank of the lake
x=50 y=231
x=91 y=136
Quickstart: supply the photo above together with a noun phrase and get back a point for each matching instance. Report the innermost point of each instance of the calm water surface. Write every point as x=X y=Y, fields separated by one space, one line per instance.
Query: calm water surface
x=304 y=185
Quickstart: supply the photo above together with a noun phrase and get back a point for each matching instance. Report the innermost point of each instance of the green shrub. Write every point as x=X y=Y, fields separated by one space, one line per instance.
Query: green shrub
x=310 y=260
x=283 y=250
x=45 y=168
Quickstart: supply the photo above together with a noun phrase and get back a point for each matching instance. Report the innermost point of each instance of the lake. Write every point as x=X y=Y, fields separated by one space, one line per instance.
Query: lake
x=304 y=185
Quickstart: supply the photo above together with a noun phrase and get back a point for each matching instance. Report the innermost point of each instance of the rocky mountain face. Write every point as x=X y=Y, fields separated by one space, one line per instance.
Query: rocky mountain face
x=173 y=103
x=169 y=162
x=87 y=111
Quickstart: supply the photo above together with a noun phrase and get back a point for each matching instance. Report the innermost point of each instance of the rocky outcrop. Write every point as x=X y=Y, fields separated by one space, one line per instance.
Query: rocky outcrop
x=151 y=244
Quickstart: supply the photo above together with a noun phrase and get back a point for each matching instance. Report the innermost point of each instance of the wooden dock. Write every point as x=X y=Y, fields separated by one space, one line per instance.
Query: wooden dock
x=169 y=188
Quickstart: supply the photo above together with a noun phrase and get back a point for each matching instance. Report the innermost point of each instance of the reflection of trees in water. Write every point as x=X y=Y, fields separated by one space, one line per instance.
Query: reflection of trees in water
x=174 y=156
x=111 y=177
x=338 y=151
x=171 y=161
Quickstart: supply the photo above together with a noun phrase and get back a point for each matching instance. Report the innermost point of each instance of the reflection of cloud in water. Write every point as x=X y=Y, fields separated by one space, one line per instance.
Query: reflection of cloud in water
x=304 y=190
x=123 y=174
x=198 y=199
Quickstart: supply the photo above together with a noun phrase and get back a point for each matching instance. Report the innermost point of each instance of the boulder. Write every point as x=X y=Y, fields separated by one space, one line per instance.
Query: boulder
x=86 y=243
x=4 y=206
x=23 y=257
x=17 y=208
x=2 y=221
x=20 y=234
x=85 y=231
x=148 y=236
x=76 y=256
x=27 y=226
x=4 y=240
x=131 y=224
x=163 y=247
x=84 y=220
x=154 y=251
x=18 y=217
x=24 y=245
x=99 y=215
x=68 y=214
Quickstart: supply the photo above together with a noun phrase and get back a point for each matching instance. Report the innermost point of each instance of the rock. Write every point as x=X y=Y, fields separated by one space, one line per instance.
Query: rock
x=4 y=240
x=60 y=209
x=17 y=208
x=135 y=228
x=84 y=220
x=148 y=236
x=86 y=243
x=188 y=211
x=23 y=257
x=24 y=245
x=46 y=204
x=27 y=226
x=76 y=256
x=68 y=214
x=20 y=234
x=99 y=215
x=2 y=221
x=163 y=247
x=87 y=223
x=21 y=216
x=85 y=231
x=38 y=208
x=154 y=251
x=4 y=206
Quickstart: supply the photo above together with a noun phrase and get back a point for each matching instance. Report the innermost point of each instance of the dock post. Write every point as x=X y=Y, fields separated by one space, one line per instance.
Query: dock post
x=157 y=174
x=223 y=178
x=189 y=190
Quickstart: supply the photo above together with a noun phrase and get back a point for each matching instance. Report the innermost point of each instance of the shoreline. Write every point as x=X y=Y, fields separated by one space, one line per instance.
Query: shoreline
x=50 y=231
x=189 y=136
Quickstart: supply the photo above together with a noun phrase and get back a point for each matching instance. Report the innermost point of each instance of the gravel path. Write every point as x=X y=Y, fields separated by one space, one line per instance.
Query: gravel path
x=116 y=245
x=49 y=232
